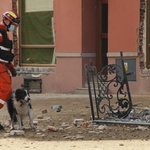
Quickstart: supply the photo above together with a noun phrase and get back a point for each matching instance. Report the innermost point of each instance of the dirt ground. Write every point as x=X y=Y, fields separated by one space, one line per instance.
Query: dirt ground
x=74 y=107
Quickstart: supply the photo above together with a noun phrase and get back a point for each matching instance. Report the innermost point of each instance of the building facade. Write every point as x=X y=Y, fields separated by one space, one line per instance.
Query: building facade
x=57 y=38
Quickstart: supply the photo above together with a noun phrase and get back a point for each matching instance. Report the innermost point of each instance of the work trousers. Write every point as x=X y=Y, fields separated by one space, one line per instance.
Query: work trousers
x=5 y=84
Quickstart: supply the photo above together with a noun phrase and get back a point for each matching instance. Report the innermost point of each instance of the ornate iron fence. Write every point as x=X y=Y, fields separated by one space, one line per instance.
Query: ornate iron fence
x=109 y=93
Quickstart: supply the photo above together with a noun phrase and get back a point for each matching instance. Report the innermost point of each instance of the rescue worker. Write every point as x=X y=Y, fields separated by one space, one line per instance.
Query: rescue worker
x=10 y=21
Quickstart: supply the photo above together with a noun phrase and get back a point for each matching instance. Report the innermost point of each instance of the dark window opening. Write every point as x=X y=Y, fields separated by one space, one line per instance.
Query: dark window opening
x=104 y=42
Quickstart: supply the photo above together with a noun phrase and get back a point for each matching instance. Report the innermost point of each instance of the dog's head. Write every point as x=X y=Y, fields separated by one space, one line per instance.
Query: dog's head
x=22 y=95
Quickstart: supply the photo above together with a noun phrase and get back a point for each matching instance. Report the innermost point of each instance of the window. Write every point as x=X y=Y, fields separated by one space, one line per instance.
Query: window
x=37 y=33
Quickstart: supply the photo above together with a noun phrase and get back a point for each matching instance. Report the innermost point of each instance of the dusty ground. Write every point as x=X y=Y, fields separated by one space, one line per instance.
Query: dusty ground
x=73 y=107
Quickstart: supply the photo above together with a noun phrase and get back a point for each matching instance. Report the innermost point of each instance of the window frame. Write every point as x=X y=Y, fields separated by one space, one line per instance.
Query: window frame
x=24 y=46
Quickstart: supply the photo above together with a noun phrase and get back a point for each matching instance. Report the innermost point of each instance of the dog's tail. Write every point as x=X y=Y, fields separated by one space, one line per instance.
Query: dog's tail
x=11 y=110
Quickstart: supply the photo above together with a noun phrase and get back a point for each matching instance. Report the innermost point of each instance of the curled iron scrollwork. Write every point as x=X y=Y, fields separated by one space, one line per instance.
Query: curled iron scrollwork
x=109 y=104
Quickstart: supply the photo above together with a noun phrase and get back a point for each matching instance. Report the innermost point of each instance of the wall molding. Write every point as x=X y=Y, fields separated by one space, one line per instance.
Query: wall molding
x=125 y=54
x=75 y=55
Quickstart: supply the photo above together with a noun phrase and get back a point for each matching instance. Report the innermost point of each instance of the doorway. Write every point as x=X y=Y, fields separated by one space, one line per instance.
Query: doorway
x=102 y=30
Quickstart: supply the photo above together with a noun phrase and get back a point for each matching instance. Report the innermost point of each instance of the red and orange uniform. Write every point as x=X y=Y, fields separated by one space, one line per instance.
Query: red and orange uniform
x=6 y=57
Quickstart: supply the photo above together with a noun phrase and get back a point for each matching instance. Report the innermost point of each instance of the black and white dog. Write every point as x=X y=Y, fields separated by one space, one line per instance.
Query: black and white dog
x=19 y=106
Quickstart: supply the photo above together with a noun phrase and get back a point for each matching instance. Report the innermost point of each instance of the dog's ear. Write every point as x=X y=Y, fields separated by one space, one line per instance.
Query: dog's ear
x=17 y=91
x=17 y=94
x=20 y=94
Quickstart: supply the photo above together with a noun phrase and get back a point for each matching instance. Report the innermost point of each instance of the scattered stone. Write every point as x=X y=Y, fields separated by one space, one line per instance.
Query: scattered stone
x=17 y=132
x=93 y=125
x=79 y=137
x=43 y=135
x=39 y=117
x=35 y=122
x=78 y=122
x=57 y=107
x=68 y=127
x=65 y=125
x=85 y=124
x=52 y=128
x=47 y=118
x=38 y=133
x=142 y=128
x=92 y=132
x=102 y=127
x=41 y=130
x=44 y=111
x=61 y=129
x=69 y=137
x=147 y=118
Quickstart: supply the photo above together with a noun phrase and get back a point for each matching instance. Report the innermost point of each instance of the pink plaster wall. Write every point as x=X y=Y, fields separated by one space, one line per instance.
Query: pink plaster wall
x=66 y=78
x=89 y=26
x=123 y=25
x=68 y=19
x=4 y=6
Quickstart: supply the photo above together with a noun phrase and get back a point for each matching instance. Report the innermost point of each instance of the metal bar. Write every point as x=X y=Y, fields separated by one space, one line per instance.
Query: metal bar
x=89 y=90
x=126 y=80
x=122 y=122
x=93 y=81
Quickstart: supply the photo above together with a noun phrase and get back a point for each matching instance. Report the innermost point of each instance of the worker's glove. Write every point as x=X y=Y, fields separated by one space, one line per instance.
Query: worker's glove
x=13 y=72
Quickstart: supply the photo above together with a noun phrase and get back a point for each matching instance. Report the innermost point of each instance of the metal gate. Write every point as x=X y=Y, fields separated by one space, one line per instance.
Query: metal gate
x=107 y=107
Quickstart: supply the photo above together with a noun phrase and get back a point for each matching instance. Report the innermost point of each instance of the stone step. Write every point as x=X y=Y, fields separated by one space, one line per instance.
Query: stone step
x=84 y=91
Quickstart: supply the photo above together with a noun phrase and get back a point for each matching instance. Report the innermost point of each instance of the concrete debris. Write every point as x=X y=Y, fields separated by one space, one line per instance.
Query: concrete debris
x=78 y=122
x=102 y=127
x=142 y=128
x=57 y=108
x=93 y=132
x=40 y=117
x=35 y=122
x=44 y=111
x=65 y=125
x=85 y=124
x=77 y=137
x=140 y=114
x=52 y=128
x=15 y=132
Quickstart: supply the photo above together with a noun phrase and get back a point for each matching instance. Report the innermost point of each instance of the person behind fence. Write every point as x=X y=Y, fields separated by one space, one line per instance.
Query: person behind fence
x=10 y=21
